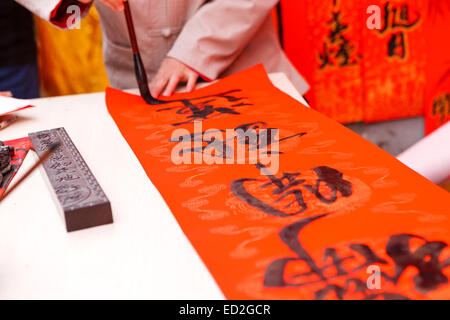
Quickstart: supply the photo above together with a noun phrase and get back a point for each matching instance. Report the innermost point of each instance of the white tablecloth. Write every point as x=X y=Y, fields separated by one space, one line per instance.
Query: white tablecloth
x=144 y=254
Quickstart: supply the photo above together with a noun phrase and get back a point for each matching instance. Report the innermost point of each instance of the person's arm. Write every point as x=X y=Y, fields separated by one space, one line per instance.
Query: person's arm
x=60 y=13
x=211 y=40
x=42 y=8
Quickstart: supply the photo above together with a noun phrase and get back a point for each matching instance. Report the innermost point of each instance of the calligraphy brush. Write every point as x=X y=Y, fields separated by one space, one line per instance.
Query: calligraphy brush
x=44 y=157
x=139 y=68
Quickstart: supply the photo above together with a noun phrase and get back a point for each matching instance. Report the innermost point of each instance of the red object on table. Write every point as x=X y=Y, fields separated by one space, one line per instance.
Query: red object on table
x=21 y=148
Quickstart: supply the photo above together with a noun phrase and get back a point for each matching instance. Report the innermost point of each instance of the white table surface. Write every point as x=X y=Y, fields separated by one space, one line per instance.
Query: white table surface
x=142 y=255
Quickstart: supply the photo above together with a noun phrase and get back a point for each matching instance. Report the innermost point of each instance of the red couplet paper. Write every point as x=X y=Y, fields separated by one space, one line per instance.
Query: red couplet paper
x=359 y=73
x=323 y=41
x=330 y=216
x=21 y=148
x=394 y=60
x=437 y=90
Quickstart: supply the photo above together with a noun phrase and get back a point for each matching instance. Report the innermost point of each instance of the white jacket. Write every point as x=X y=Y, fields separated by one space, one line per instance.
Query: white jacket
x=215 y=38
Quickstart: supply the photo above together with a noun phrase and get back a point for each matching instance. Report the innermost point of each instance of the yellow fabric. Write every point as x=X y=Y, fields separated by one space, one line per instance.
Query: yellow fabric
x=70 y=61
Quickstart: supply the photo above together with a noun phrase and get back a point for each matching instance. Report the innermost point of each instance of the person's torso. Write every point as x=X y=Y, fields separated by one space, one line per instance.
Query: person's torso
x=157 y=24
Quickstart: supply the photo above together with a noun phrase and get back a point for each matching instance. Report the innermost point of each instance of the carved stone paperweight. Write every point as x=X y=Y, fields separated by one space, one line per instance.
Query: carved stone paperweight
x=82 y=199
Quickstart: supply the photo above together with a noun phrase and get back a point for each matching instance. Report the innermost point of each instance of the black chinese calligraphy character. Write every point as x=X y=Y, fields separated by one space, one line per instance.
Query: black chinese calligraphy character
x=289 y=185
x=337 y=48
x=426 y=259
x=396 y=45
x=333 y=179
x=441 y=105
x=254 y=136
x=203 y=108
x=398 y=20
x=395 y=18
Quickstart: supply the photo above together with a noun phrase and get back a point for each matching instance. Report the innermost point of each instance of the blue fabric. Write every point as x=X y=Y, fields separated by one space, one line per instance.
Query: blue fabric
x=22 y=80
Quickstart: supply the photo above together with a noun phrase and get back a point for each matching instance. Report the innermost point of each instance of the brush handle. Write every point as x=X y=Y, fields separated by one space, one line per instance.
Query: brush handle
x=130 y=27
x=139 y=69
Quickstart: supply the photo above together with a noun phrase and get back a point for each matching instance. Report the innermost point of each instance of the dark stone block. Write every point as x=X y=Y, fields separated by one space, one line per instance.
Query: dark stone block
x=82 y=199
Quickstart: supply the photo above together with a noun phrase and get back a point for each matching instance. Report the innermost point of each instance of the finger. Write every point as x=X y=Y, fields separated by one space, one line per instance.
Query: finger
x=6 y=94
x=157 y=85
x=173 y=82
x=192 y=81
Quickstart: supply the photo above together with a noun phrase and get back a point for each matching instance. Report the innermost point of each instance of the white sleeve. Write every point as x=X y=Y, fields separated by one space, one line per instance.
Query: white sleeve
x=42 y=8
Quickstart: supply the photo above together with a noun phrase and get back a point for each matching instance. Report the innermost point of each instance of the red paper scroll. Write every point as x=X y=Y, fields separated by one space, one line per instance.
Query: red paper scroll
x=337 y=211
x=394 y=60
x=21 y=148
x=323 y=40
x=438 y=67
x=357 y=73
